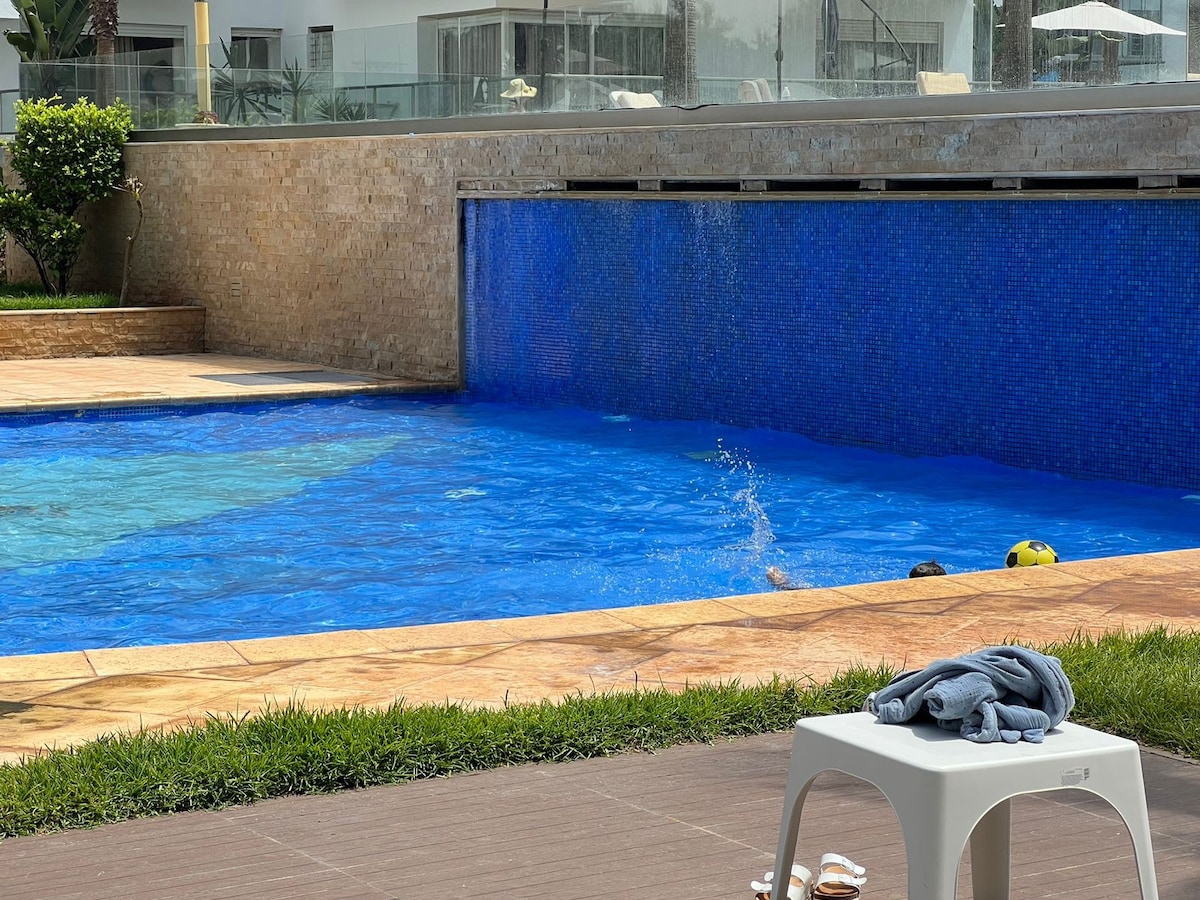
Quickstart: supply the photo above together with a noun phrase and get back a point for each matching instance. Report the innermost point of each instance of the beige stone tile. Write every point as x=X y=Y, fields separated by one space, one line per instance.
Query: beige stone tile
x=686 y=613
x=486 y=686
x=1102 y=570
x=785 y=603
x=799 y=622
x=909 y=589
x=1170 y=596
x=309 y=646
x=261 y=696
x=621 y=640
x=243 y=672
x=44 y=666
x=31 y=691
x=680 y=668
x=41 y=727
x=925 y=607
x=1015 y=579
x=163 y=695
x=561 y=625
x=449 y=634
x=355 y=673
x=1189 y=558
x=550 y=657
x=873 y=635
x=163 y=658
x=447 y=656
x=749 y=643
x=14 y=756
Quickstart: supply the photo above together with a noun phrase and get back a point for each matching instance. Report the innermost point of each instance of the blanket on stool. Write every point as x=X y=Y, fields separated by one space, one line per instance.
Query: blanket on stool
x=999 y=694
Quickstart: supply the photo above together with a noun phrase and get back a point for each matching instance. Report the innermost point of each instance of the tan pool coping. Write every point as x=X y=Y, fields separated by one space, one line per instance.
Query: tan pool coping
x=59 y=699
x=47 y=385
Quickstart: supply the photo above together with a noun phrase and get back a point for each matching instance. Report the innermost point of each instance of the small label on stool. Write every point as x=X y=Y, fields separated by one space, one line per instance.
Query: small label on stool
x=1072 y=777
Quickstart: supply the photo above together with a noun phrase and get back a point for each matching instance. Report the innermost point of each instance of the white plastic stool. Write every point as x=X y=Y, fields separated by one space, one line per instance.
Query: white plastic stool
x=945 y=789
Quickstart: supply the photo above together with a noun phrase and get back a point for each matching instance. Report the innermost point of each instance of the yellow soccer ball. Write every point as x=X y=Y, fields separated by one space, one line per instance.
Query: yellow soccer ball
x=1030 y=553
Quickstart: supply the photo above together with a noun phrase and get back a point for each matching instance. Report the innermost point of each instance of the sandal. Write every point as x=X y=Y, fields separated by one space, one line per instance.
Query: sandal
x=798 y=885
x=839 y=879
x=837 y=864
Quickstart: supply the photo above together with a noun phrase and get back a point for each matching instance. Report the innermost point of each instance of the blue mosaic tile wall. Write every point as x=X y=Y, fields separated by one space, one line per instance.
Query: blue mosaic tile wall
x=1060 y=335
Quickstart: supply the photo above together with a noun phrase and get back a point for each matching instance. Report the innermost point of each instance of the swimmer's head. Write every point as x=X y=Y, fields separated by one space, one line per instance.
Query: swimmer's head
x=926 y=568
x=777 y=576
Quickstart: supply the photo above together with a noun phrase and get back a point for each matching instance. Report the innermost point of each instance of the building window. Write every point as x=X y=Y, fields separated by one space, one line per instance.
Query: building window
x=866 y=51
x=1143 y=48
x=320 y=48
x=600 y=45
x=470 y=49
x=254 y=48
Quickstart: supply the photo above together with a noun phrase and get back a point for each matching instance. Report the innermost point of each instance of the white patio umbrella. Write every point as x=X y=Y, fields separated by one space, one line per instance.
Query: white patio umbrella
x=1095 y=15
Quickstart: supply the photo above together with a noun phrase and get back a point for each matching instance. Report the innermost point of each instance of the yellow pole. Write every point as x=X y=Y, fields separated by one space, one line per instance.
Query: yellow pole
x=203 y=83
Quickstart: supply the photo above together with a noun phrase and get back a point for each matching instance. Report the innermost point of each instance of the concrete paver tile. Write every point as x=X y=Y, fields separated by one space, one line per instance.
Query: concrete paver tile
x=32 y=691
x=625 y=640
x=355 y=673
x=910 y=589
x=781 y=603
x=1106 y=569
x=589 y=622
x=449 y=634
x=163 y=658
x=446 y=656
x=685 y=613
x=500 y=686
x=163 y=695
x=42 y=666
x=1017 y=578
x=40 y=727
x=308 y=646
x=261 y=695
x=550 y=656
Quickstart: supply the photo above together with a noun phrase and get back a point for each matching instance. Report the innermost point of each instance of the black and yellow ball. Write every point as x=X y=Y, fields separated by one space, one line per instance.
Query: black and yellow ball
x=1030 y=553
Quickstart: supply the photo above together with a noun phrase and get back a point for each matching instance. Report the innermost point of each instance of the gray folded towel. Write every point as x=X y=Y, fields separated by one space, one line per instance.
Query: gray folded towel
x=1006 y=693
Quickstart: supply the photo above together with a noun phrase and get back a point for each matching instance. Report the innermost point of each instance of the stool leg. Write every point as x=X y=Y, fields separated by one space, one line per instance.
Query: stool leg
x=990 y=853
x=932 y=861
x=1128 y=798
x=789 y=828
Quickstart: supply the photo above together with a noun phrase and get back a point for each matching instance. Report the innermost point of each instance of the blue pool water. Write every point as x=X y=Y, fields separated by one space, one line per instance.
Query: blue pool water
x=267 y=520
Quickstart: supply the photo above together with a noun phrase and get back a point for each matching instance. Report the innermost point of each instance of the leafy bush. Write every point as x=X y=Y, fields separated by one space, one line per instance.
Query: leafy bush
x=65 y=156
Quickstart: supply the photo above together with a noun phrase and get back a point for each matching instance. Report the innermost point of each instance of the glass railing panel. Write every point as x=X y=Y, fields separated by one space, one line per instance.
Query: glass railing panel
x=681 y=51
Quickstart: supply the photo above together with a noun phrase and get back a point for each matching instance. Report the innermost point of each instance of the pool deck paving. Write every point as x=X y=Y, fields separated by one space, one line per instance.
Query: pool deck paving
x=690 y=822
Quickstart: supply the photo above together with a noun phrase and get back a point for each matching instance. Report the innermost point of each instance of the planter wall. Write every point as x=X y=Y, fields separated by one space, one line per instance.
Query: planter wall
x=39 y=334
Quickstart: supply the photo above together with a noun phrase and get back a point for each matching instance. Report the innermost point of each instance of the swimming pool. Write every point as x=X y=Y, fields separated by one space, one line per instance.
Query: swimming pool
x=252 y=521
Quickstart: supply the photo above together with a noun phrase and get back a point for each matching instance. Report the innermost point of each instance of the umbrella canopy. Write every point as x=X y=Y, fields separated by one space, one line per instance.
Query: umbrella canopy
x=1095 y=15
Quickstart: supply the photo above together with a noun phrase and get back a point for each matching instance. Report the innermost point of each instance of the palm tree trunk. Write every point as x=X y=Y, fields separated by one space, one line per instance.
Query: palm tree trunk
x=1193 y=39
x=1016 y=62
x=104 y=26
x=679 y=69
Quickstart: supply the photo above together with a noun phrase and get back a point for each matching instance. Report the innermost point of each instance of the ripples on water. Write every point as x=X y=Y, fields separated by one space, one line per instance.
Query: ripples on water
x=385 y=511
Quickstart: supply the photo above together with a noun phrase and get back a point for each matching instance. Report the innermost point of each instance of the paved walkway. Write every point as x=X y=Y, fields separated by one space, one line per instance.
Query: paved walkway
x=694 y=822
x=30 y=385
x=63 y=698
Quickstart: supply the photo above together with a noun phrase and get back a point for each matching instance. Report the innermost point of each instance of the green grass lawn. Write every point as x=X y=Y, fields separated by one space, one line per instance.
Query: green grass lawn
x=1141 y=686
x=34 y=296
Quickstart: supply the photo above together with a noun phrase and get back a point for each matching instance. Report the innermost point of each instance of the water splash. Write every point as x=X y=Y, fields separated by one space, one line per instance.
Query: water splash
x=745 y=509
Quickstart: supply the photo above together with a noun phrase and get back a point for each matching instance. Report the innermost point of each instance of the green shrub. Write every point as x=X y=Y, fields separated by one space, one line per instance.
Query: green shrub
x=53 y=240
x=66 y=156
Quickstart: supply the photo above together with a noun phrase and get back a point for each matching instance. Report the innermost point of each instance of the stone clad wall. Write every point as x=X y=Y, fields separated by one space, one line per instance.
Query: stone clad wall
x=39 y=334
x=343 y=251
